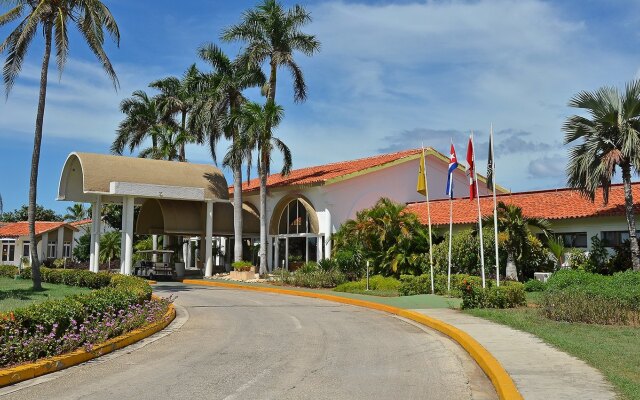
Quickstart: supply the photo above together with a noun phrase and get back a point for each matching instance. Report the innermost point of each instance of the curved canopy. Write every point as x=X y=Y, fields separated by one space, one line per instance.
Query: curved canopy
x=87 y=175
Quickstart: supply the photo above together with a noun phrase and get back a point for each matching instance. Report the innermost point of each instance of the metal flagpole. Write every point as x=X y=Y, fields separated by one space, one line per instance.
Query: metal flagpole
x=426 y=190
x=495 y=207
x=450 y=239
x=475 y=178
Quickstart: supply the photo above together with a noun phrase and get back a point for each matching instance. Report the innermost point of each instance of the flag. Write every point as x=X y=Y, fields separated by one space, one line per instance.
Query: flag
x=471 y=171
x=421 y=187
x=453 y=164
x=490 y=164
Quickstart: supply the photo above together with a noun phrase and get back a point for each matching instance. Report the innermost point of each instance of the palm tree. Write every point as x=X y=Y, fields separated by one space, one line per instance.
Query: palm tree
x=610 y=139
x=109 y=247
x=556 y=247
x=143 y=119
x=76 y=212
x=220 y=97
x=52 y=18
x=254 y=117
x=516 y=228
x=177 y=96
x=169 y=144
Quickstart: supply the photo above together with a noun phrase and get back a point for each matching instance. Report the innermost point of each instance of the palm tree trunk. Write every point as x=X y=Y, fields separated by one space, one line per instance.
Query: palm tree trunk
x=512 y=271
x=183 y=156
x=35 y=162
x=263 y=214
x=237 y=212
x=271 y=95
x=631 y=220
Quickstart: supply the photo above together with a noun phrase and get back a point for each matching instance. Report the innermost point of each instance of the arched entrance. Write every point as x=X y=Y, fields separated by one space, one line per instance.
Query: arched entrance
x=295 y=233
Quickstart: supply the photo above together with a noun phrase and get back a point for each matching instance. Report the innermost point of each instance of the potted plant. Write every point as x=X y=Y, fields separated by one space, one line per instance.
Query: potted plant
x=242 y=271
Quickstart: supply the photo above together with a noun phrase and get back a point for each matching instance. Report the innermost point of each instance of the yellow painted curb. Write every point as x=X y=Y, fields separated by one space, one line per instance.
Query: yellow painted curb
x=9 y=376
x=505 y=387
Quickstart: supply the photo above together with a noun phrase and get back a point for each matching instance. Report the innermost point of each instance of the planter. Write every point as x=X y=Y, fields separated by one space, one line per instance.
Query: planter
x=243 y=275
x=294 y=265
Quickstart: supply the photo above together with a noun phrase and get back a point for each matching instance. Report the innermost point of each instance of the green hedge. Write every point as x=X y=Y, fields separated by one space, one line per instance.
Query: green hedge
x=508 y=295
x=579 y=296
x=378 y=283
x=534 y=285
x=309 y=278
x=412 y=285
x=8 y=271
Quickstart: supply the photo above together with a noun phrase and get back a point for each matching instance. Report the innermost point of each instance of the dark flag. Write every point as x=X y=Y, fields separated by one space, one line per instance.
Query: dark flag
x=490 y=164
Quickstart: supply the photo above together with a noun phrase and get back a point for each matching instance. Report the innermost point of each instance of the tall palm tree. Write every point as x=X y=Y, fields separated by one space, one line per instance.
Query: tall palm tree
x=143 y=119
x=516 y=228
x=76 y=212
x=169 y=143
x=254 y=118
x=609 y=138
x=176 y=98
x=220 y=97
x=110 y=247
x=52 y=18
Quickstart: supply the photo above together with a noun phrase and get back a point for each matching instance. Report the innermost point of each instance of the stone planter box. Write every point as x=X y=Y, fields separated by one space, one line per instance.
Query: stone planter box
x=243 y=275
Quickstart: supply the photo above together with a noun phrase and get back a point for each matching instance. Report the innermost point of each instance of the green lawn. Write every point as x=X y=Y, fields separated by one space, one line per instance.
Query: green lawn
x=18 y=293
x=614 y=350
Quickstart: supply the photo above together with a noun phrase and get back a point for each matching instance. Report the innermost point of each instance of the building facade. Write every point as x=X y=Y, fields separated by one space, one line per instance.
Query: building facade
x=54 y=240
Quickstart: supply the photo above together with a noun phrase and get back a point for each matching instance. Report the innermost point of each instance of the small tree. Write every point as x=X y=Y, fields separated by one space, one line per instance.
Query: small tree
x=109 y=247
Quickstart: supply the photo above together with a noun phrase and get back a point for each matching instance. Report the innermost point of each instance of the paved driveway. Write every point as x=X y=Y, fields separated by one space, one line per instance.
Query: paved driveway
x=246 y=345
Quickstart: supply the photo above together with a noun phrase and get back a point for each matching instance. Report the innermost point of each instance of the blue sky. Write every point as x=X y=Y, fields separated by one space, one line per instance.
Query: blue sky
x=390 y=75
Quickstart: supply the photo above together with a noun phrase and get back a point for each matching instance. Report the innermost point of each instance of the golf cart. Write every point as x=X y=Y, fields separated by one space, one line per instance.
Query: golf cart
x=149 y=269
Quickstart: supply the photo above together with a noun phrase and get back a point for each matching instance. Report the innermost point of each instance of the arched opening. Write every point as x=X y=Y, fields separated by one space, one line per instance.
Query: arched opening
x=294 y=230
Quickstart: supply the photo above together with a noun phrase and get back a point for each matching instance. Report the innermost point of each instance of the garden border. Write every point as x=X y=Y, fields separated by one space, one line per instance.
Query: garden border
x=504 y=385
x=9 y=376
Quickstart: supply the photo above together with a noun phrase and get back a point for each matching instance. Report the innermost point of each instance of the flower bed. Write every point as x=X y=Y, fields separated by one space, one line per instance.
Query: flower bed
x=57 y=326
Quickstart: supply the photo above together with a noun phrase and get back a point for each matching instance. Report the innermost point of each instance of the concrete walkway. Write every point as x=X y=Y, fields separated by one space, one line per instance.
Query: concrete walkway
x=539 y=370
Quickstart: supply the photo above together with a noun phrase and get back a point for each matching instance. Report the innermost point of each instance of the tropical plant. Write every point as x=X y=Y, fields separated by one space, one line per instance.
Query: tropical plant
x=170 y=143
x=516 y=229
x=257 y=122
x=177 y=97
x=109 y=247
x=22 y=214
x=52 y=18
x=143 y=119
x=556 y=247
x=82 y=248
x=220 y=96
x=76 y=212
x=607 y=139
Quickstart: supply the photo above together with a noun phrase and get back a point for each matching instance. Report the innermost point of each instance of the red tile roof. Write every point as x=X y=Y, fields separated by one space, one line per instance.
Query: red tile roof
x=550 y=204
x=322 y=173
x=81 y=222
x=17 y=229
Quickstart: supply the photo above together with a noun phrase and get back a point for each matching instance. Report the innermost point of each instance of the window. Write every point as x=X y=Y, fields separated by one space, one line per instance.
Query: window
x=8 y=250
x=66 y=251
x=574 y=239
x=51 y=250
x=294 y=219
x=614 y=238
x=26 y=249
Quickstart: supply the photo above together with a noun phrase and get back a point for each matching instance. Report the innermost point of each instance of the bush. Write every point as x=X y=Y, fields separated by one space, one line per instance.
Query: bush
x=308 y=267
x=351 y=263
x=327 y=264
x=242 y=265
x=412 y=285
x=313 y=279
x=534 y=285
x=465 y=253
x=8 y=271
x=509 y=295
x=378 y=283
x=580 y=296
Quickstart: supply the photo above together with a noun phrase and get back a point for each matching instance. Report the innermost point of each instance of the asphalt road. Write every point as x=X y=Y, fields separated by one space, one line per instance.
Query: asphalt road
x=246 y=345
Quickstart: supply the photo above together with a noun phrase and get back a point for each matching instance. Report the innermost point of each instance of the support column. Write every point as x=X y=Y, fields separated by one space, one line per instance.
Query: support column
x=276 y=250
x=123 y=235
x=96 y=225
x=166 y=243
x=269 y=253
x=207 y=240
x=128 y=258
x=44 y=246
x=92 y=241
x=154 y=246
x=185 y=251
x=59 y=243
x=327 y=235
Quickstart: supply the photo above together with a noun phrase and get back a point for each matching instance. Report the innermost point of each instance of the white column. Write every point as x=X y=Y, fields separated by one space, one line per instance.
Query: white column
x=270 y=253
x=207 y=240
x=96 y=225
x=154 y=246
x=327 y=235
x=123 y=235
x=92 y=242
x=128 y=257
x=185 y=251
x=277 y=253
x=44 y=243
x=59 y=243
x=166 y=243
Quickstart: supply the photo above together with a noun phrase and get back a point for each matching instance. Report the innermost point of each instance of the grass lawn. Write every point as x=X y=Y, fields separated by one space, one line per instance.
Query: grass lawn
x=18 y=293
x=611 y=349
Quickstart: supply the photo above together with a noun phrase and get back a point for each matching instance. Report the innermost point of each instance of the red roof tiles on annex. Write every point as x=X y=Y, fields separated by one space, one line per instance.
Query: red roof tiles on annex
x=17 y=229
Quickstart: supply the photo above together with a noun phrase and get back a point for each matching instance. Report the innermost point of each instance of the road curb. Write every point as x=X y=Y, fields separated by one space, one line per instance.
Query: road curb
x=504 y=385
x=9 y=376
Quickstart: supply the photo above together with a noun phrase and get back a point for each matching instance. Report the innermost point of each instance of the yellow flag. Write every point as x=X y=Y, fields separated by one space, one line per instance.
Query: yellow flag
x=421 y=187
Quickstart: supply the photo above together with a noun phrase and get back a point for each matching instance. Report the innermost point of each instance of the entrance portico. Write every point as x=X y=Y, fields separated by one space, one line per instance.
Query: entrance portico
x=186 y=195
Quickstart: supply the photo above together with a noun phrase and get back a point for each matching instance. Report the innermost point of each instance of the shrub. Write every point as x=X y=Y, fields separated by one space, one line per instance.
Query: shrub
x=465 y=255
x=580 y=296
x=378 y=283
x=308 y=267
x=242 y=265
x=504 y=296
x=534 y=285
x=412 y=285
x=8 y=271
x=311 y=279
x=327 y=264
x=351 y=263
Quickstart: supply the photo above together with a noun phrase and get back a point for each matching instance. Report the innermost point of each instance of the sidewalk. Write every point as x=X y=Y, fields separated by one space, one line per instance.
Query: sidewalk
x=539 y=370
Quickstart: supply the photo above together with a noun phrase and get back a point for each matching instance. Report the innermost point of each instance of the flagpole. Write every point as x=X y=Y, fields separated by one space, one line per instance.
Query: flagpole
x=475 y=178
x=495 y=207
x=450 y=239
x=426 y=190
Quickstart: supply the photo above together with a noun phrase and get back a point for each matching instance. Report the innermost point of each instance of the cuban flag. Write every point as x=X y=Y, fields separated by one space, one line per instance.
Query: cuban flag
x=453 y=164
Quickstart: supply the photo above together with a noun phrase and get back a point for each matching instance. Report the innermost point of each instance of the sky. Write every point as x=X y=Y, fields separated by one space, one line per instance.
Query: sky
x=390 y=75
